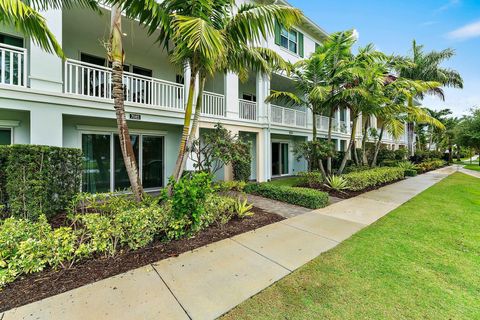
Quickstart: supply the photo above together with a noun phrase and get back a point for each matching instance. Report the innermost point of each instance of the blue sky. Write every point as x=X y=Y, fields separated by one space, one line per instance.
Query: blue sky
x=392 y=25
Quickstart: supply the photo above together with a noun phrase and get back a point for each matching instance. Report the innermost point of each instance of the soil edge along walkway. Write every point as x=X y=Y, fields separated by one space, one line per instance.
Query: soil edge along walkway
x=207 y=282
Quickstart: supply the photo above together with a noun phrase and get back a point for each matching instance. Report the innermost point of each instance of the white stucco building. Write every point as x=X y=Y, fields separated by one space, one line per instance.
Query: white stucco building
x=44 y=100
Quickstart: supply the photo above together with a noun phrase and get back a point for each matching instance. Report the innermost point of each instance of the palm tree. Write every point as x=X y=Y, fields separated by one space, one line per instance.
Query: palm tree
x=433 y=132
x=116 y=56
x=203 y=33
x=427 y=67
x=25 y=17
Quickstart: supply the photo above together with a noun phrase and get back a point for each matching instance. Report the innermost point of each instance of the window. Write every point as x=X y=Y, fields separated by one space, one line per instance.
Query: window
x=10 y=40
x=249 y=97
x=142 y=71
x=5 y=136
x=180 y=79
x=292 y=40
x=104 y=169
x=289 y=39
x=84 y=57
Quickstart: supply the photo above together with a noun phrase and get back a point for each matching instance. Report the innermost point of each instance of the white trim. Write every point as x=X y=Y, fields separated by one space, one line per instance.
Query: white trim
x=96 y=129
x=9 y=123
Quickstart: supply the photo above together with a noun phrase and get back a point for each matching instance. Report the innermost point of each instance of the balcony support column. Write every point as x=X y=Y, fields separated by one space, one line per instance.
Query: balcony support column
x=231 y=95
x=263 y=90
x=46 y=68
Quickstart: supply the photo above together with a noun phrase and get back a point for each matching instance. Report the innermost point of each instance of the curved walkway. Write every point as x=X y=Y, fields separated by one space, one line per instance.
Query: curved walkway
x=209 y=281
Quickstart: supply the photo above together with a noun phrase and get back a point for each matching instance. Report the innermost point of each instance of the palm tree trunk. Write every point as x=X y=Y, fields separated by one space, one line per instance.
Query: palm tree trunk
x=329 y=140
x=377 y=147
x=116 y=56
x=350 y=145
x=364 y=141
x=196 y=121
x=314 y=126
x=186 y=128
x=410 y=135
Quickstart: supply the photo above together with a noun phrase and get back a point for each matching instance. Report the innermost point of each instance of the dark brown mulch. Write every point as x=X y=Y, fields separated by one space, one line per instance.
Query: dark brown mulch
x=49 y=282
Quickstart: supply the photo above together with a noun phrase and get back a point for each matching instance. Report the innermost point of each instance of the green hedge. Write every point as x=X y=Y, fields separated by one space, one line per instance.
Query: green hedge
x=374 y=177
x=38 y=179
x=305 y=197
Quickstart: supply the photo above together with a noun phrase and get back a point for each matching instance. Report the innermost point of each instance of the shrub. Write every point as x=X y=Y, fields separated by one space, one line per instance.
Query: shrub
x=355 y=169
x=38 y=180
x=409 y=168
x=312 y=179
x=374 y=177
x=218 y=209
x=223 y=186
x=423 y=156
x=337 y=183
x=430 y=165
x=243 y=208
x=304 y=197
x=410 y=172
x=385 y=154
x=401 y=154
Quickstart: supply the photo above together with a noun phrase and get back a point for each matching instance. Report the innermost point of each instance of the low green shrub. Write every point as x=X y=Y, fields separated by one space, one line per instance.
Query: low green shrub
x=410 y=172
x=430 y=165
x=409 y=168
x=313 y=179
x=374 y=177
x=224 y=186
x=350 y=169
x=305 y=197
x=37 y=180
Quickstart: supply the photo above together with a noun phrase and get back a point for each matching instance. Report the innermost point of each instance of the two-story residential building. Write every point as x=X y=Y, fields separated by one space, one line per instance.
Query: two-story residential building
x=47 y=101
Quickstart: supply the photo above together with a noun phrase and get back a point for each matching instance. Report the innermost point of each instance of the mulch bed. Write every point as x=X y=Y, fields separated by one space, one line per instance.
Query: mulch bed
x=41 y=285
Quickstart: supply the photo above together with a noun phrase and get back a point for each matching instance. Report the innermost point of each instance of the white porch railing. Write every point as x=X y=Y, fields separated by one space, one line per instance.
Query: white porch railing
x=86 y=79
x=288 y=117
x=247 y=110
x=213 y=104
x=322 y=124
x=13 y=65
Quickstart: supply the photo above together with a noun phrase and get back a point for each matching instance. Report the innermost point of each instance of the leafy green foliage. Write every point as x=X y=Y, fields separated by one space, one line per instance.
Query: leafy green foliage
x=337 y=183
x=243 y=208
x=223 y=186
x=430 y=165
x=313 y=179
x=374 y=177
x=305 y=197
x=39 y=179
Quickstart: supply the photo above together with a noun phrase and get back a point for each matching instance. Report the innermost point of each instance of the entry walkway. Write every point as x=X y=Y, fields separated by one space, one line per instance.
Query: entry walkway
x=209 y=281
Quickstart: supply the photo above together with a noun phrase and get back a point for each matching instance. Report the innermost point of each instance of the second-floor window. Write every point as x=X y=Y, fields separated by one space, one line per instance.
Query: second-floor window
x=291 y=39
x=10 y=40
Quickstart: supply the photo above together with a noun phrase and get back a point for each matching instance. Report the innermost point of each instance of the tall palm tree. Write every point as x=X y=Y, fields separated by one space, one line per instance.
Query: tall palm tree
x=203 y=33
x=116 y=56
x=25 y=17
x=427 y=67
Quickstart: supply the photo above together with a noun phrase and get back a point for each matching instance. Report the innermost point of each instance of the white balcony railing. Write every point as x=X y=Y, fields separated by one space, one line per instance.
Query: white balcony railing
x=247 y=110
x=13 y=65
x=322 y=124
x=213 y=104
x=86 y=79
x=288 y=117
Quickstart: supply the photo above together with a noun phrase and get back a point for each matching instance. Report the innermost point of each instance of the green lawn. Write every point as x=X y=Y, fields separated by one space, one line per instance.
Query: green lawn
x=288 y=181
x=422 y=261
x=475 y=167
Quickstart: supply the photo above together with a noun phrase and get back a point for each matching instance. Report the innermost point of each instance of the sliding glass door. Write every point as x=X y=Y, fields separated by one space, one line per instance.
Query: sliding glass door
x=280 y=155
x=104 y=168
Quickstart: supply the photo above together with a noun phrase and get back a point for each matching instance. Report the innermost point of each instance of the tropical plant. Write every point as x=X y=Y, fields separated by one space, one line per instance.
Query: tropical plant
x=116 y=57
x=314 y=152
x=210 y=36
x=243 y=208
x=427 y=67
x=468 y=131
x=25 y=17
x=337 y=183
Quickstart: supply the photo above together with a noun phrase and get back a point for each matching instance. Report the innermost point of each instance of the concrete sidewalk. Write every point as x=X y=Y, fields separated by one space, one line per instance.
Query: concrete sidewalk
x=209 y=281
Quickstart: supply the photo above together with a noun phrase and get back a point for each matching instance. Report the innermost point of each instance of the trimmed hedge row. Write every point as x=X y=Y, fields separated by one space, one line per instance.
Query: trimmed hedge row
x=305 y=197
x=370 y=178
x=37 y=180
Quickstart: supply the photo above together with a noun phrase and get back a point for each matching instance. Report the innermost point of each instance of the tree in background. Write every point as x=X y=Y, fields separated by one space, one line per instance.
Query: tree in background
x=468 y=131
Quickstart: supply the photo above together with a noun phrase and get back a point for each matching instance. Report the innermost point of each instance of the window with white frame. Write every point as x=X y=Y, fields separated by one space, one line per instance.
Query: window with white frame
x=289 y=39
x=5 y=136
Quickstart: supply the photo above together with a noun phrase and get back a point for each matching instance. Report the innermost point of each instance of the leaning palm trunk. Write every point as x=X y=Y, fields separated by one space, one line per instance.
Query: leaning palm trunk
x=177 y=173
x=377 y=147
x=410 y=128
x=195 y=123
x=329 y=140
x=349 y=148
x=116 y=56
x=364 y=142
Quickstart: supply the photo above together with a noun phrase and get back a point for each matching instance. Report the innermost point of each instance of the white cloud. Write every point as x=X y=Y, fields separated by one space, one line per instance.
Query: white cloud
x=448 y=5
x=468 y=31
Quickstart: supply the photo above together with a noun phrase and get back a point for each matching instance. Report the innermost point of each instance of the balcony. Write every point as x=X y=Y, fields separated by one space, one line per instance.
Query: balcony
x=213 y=105
x=338 y=127
x=85 y=79
x=288 y=117
x=13 y=65
x=247 y=110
